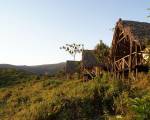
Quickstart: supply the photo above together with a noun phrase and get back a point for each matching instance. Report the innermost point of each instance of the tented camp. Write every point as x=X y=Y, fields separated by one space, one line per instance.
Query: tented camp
x=90 y=64
x=129 y=45
x=72 y=69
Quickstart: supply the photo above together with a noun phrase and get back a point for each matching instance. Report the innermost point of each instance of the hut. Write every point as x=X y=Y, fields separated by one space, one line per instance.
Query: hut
x=128 y=45
x=91 y=65
x=72 y=69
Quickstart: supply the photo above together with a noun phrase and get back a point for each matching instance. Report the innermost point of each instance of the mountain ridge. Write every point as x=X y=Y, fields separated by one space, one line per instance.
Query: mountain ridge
x=49 y=69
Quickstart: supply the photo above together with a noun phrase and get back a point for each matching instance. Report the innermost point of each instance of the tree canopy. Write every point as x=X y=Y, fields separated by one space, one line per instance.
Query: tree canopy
x=73 y=49
x=102 y=52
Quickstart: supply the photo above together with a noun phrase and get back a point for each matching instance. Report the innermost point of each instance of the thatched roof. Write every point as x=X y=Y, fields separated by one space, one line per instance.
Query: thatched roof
x=89 y=59
x=139 y=32
x=72 y=67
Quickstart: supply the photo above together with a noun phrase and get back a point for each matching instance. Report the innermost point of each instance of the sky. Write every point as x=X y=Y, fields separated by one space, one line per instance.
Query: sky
x=31 y=31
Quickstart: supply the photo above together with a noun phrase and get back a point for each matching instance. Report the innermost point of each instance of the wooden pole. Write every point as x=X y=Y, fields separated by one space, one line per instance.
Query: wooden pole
x=114 y=68
x=136 y=62
x=130 y=64
x=130 y=58
x=123 y=68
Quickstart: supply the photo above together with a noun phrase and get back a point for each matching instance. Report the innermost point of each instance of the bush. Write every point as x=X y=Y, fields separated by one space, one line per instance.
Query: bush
x=141 y=107
x=51 y=83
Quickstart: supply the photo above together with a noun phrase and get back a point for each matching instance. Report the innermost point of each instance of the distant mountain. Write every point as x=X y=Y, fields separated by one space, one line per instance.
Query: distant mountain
x=38 y=69
x=7 y=66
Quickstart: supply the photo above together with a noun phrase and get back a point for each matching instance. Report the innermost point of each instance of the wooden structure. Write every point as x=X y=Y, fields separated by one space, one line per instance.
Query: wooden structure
x=72 y=68
x=90 y=64
x=129 y=42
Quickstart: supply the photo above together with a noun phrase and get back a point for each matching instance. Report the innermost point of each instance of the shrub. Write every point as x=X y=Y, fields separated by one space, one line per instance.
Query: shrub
x=141 y=107
x=121 y=103
x=51 y=83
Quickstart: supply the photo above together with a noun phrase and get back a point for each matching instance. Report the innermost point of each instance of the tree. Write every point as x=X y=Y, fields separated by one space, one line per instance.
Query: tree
x=146 y=55
x=148 y=10
x=102 y=52
x=73 y=49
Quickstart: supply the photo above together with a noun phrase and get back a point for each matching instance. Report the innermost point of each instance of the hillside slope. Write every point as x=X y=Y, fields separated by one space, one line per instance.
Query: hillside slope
x=48 y=100
x=54 y=99
x=38 y=69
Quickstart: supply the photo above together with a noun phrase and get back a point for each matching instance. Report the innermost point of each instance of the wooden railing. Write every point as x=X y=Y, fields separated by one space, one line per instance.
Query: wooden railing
x=126 y=63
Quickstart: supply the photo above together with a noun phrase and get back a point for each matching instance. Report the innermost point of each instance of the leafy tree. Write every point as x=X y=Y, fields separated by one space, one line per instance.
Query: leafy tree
x=147 y=51
x=102 y=52
x=148 y=10
x=73 y=49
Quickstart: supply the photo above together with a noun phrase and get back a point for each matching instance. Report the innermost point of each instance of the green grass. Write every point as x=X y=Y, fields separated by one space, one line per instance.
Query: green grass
x=47 y=98
x=29 y=98
x=26 y=98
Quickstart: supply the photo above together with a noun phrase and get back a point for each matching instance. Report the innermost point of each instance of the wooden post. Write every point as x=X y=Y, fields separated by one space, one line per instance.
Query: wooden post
x=123 y=68
x=136 y=61
x=68 y=76
x=130 y=59
x=114 y=68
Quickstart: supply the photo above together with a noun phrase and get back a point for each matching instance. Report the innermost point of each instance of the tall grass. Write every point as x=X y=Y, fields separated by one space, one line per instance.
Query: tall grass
x=54 y=99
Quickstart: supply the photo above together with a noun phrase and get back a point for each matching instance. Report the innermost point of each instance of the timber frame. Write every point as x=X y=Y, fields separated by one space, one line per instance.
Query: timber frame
x=127 y=50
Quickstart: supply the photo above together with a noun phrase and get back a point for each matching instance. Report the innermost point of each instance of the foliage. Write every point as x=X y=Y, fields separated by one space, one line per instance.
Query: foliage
x=102 y=51
x=148 y=10
x=73 y=49
x=121 y=103
x=51 y=98
x=12 y=76
x=141 y=106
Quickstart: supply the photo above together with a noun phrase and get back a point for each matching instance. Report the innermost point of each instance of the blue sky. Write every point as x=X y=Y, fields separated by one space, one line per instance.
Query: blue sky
x=31 y=31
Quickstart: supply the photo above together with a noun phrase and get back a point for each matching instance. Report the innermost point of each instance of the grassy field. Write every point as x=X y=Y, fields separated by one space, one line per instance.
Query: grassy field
x=43 y=99
x=29 y=97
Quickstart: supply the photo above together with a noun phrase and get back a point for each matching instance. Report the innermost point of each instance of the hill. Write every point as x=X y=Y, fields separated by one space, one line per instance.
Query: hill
x=48 y=99
x=55 y=99
x=49 y=69
x=11 y=76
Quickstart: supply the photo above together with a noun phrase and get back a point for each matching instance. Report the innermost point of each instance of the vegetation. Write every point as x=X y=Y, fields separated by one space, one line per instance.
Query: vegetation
x=102 y=52
x=30 y=97
x=12 y=76
x=73 y=49
x=50 y=69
